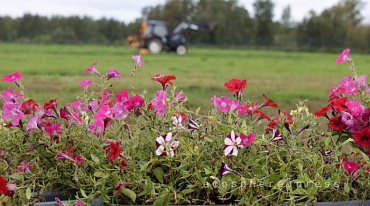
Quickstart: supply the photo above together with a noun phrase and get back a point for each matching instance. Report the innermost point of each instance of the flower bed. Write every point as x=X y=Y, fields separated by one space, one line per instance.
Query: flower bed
x=125 y=149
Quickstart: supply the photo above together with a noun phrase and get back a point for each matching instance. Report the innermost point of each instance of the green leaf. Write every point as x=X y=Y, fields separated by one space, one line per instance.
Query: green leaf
x=197 y=111
x=83 y=193
x=207 y=171
x=199 y=176
x=129 y=193
x=28 y=193
x=315 y=158
x=187 y=191
x=158 y=173
x=346 y=188
x=327 y=141
x=101 y=174
x=17 y=176
x=95 y=159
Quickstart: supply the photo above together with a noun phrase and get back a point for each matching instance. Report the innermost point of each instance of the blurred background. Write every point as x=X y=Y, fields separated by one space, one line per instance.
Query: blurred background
x=284 y=48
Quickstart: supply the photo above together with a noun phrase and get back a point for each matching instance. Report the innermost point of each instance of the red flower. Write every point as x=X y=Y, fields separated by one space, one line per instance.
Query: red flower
x=339 y=104
x=69 y=151
x=323 y=112
x=335 y=123
x=3 y=184
x=362 y=137
x=115 y=151
x=123 y=164
x=164 y=80
x=52 y=104
x=236 y=85
x=29 y=106
x=288 y=116
x=268 y=102
x=262 y=116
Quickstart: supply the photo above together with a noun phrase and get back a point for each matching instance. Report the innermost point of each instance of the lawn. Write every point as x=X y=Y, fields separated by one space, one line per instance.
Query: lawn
x=52 y=71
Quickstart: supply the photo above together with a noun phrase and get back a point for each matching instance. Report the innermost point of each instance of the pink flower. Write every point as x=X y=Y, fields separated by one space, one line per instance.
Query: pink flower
x=30 y=149
x=361 y=80
x=166 y=145
x=139 y=60
x=248 y=109
x=122 y=96
x=344 y=56
x=104 y=112
x=92 y=69
x=10 y=96
x=77 y=104
x=232 y=142
x=134 y=102
x=13 y=111
x=92 y=106
x=235 y=105
x=62 y=156
x=78 y=159
x=85 y=83
x=112 y=72
x=179 y=97
x=33 y=123
x=97 y=127
x=119 y=110
x=59 y=202
x=12 y=77
x=54 y=131
x=247 y=140
x=25 y=167
x=349 y=85
x=159 y=102
x=355 y=107
x=223 y=104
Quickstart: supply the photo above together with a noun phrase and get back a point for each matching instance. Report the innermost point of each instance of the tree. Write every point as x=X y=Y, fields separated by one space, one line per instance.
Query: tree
x=263 y=22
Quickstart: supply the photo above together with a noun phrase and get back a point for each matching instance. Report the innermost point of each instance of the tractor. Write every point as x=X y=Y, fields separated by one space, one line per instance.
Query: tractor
x=153 y=37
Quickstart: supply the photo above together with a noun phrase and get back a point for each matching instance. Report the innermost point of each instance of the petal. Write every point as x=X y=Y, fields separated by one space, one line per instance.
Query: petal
x=228 y=149
x=169 y=137
x=159 y=151
x=233 y=136
x=235 y=151
x=238 y=140
x=228 y=141
x=159 y=140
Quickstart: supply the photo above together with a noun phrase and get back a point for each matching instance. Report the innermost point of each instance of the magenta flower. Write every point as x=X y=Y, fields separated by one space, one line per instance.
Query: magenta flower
x=78 y=159
x=30 y=149
x=350 y=167
x=361 y=80
x=12 y=111
x=92 y=106
x=179 y=97
x=248 y=109
x=223 y=104
x=344 y=56
x=104 y=112
x=54 y=131
x=355 y=107
x=85 y=83
x=139 y=60
x=134 y=102
x=349 y=85
x=25 y=167
x=10 y=96
x=92 y=69
x=225 y=169
x=247 y=140
x=79 y=203
x=77 y=104
x=122 y=96
x=232 y=142
x=159 y=102
x=166 y=145
x=12 y=77
x=112 y=73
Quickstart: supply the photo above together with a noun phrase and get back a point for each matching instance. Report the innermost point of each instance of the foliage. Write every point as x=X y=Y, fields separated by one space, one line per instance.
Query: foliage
x=125 y=148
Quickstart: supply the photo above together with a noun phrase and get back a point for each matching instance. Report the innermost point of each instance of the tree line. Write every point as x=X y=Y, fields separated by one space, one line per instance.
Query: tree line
x=336 y=27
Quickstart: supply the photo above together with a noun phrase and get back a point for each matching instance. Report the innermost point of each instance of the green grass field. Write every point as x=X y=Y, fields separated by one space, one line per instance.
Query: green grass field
x=52 y=71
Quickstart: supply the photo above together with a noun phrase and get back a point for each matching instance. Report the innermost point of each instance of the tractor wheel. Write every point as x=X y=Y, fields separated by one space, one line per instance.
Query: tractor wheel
x=155 y=46
x=181 y=50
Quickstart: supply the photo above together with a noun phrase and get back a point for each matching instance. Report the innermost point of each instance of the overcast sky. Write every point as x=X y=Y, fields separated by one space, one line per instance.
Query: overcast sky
x=129 y=10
